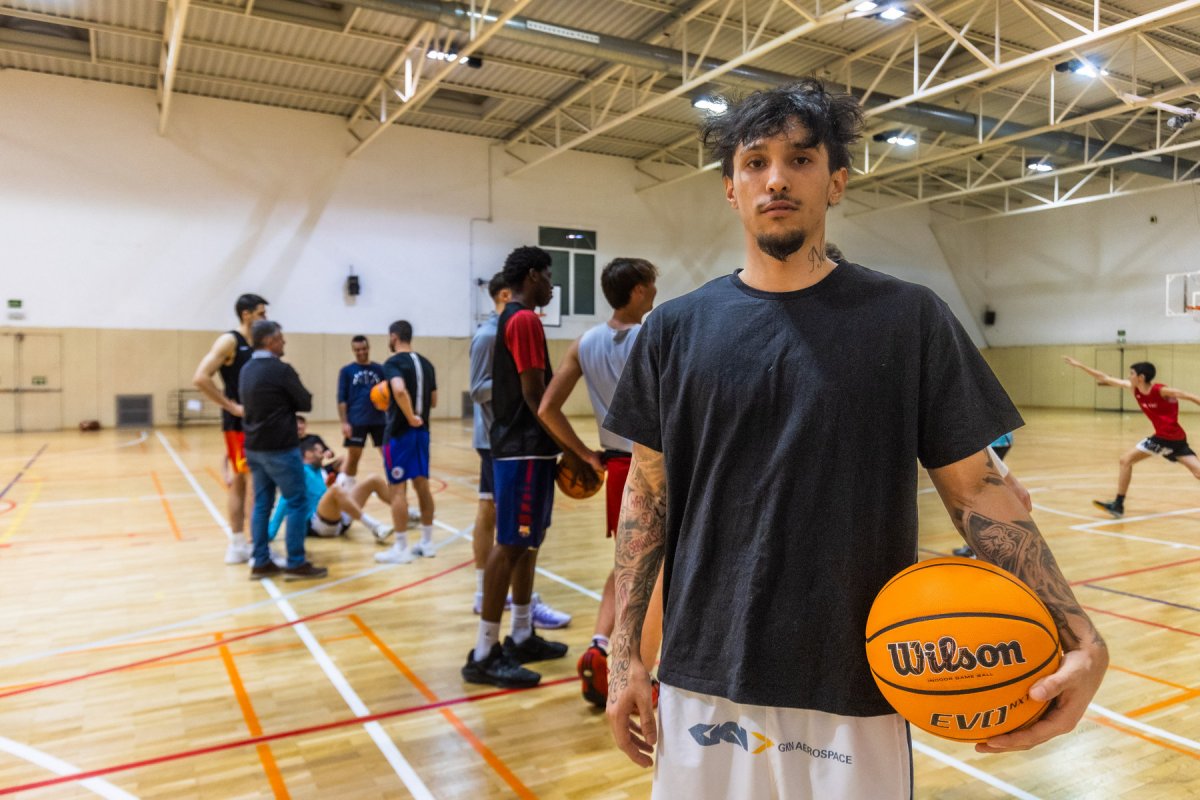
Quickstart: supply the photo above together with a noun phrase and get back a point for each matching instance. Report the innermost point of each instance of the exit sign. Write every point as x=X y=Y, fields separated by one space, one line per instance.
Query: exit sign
x=15 y=303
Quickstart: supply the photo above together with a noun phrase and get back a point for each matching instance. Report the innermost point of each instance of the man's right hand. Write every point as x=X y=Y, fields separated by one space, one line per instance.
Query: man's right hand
x=346 y=430
x=236 y=409
x=1073 y=362
x=416 y=422
x=630 y=695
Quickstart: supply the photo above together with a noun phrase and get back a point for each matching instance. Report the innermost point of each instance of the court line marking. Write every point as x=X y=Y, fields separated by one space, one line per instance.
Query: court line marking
x=1191 y=744
x=1168 y=565
x=391 y=753
x=23 y=470
x=63 y=768
x=274 y=777
x=974 y=772
x=1139 y=621
x=494 y=761
x=556 y=577
x=166 y=507
x=1140 y=518
x=95 y=501
x=1166 y=702
x=191 y=479
x=22 y=512
x=1141 y=597
x=271 y=737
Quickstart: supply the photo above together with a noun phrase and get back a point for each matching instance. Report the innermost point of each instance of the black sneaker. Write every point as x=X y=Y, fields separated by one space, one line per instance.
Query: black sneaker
x=268 y=570
x=1114 y=508
x=535 y=648
x=304 y=572
x=964 y=552
x=499 y=669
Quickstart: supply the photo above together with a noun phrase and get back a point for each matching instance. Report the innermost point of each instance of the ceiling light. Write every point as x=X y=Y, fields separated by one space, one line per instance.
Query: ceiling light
x=901 y=139
x=1038 y=165
x=1080 y=67
x=1180 y=121
x=713 y=105
x=891 y=13
x=863 y=8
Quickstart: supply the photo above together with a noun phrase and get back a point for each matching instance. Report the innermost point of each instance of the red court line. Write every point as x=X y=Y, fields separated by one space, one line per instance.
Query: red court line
x=1125 y=617
x=166 y=506
x=256 y=740
x=494 y=761
x=7 y=506
x=280 y=626
x=1136 y=571
x=264 y=750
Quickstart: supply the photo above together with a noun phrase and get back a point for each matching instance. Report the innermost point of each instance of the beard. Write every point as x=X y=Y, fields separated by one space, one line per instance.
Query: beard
x=780 y=246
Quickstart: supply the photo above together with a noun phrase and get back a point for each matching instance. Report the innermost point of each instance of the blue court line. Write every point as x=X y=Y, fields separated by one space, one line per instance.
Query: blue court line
x=1141 y=597
x=28 y=464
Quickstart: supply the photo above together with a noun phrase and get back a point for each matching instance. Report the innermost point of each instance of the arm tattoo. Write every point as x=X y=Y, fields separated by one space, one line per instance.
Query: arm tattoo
x=641 y=534
x=1018 y=546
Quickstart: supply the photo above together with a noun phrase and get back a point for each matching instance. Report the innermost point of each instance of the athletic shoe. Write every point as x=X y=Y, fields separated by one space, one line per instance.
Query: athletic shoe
x=498 y=669
x=479 y=605
x=547 y=618
x=396 y=555
x=304 y=572
x=382 y=533
x=238 y=551
x=414 y=513
x=593 y=671
x=964 y=552
x=268 y=570
x=1114 y=508
x=535 y=648
x=425 y=549
x=279 y=558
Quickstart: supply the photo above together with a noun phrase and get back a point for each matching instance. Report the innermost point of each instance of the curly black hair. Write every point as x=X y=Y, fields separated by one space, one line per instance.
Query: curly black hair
x=831 y=118
x=520 y=261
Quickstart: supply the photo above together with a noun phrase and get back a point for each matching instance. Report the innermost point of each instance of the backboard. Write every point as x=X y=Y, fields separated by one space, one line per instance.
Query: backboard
x=1183 y=294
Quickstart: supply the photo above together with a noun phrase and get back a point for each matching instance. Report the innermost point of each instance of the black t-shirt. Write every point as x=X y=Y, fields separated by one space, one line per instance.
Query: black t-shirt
x=791 y=424
x=420 y=384
x=230 y=374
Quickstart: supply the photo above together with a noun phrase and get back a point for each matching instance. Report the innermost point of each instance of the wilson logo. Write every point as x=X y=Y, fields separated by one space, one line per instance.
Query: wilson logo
x=944 y=655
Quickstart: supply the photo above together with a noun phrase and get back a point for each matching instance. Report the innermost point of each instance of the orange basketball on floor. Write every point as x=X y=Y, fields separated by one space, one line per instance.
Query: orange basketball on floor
x=954 y=645
x=381 y=395
x=569 y=475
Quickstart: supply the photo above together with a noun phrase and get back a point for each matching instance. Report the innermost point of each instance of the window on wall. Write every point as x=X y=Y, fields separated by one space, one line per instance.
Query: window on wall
x=573 y=265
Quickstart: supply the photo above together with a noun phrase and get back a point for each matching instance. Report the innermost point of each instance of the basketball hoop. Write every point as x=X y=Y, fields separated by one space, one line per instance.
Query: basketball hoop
x=1183 y=295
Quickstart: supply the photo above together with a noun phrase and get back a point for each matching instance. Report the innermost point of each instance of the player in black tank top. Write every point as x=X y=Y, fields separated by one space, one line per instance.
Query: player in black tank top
x=229 y=377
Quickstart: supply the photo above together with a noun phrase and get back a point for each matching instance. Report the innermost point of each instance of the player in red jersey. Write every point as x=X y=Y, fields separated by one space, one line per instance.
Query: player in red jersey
x=1160 y=404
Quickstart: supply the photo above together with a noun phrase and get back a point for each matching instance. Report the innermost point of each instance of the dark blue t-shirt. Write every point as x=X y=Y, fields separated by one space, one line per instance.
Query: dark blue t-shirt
x=354 y=389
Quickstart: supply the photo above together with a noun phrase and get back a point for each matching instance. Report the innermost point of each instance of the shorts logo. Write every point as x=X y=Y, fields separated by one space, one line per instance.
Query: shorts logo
x=710 y=735
x=397 y=473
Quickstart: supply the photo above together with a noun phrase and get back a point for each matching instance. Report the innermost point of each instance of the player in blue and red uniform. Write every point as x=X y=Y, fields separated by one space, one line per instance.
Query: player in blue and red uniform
x=360 y=418
x=1160 y=404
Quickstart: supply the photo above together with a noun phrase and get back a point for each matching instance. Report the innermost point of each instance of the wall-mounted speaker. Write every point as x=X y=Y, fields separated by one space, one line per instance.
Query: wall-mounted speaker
x=989 y=317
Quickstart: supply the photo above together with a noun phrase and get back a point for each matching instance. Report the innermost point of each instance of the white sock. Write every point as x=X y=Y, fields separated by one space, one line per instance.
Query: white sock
x=426 y=534
x=347 y=520
x=489 y=634
x=345 y=481
x=401 y=544
x=601 y=642
x=478 y=581
x=371 y=522
x=522 y=622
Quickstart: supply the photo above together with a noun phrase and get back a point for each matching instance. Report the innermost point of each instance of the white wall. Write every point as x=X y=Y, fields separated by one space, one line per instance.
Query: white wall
x=1077 y=275
x=105 y=224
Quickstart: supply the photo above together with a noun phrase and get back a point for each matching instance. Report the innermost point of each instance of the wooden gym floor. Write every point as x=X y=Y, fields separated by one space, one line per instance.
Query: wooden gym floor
x=136 y=664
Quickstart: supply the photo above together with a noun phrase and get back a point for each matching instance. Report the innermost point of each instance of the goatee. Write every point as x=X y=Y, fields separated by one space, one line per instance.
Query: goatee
x=781 y=246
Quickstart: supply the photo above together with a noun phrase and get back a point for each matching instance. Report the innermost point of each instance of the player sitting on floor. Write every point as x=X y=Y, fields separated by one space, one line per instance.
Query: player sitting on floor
x=331 y=508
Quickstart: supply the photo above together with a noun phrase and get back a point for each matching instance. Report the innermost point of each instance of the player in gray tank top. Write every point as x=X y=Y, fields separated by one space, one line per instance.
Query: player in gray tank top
x=599 y=357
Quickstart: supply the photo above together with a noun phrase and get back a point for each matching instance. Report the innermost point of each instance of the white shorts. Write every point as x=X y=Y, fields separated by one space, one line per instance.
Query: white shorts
x=710 y=748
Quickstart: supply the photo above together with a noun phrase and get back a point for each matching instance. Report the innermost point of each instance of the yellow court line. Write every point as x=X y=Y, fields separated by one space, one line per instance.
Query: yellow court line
x=22 y=510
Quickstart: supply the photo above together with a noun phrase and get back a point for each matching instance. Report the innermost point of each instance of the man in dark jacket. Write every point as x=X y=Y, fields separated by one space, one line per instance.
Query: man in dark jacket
x=272 y=395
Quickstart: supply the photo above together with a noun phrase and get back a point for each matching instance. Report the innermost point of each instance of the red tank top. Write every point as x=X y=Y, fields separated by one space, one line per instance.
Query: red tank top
x=1162 y=411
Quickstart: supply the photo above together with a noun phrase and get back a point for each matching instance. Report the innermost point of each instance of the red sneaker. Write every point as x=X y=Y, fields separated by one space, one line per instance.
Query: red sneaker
x=593 y=671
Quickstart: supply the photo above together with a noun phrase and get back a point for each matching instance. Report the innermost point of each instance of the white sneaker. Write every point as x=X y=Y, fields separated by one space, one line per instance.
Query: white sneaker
x=381 y=533
x=278 y=558
x=426 y=549
x=238 y=551
x=396 y=555
x=414 y=513
x=547 y=618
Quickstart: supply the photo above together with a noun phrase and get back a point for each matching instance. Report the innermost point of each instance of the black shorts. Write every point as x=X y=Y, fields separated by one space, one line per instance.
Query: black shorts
x=358 y=436
x=1170 y=449
x=487 y=479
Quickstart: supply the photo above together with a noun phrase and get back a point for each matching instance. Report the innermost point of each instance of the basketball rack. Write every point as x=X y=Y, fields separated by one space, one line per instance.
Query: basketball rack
x=1183 y=295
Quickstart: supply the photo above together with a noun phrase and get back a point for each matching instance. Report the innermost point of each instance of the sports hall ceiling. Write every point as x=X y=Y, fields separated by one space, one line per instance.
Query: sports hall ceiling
x=993 y=107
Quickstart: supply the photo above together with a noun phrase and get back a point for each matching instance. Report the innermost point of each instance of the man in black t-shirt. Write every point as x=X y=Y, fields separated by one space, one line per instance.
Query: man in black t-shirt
x=756 y=405
x=413 y=385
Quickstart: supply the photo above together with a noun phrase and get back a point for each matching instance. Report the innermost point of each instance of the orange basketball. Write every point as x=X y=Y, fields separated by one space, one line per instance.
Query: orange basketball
x=954 y=645
x=569 y=475
x=381 y=395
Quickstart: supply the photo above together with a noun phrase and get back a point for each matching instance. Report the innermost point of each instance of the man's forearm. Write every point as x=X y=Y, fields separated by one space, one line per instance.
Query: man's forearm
x=209 y=389
x=641 y=535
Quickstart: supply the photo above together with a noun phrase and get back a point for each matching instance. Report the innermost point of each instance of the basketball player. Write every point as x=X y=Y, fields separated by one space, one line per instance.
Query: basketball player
x=483 y=344
x=406 y=456
x=228 y=354
x=330 y=510
x=360 y=418
x=1160 y=404
x=523 y=460
x=598 y=356
x=755 y=405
